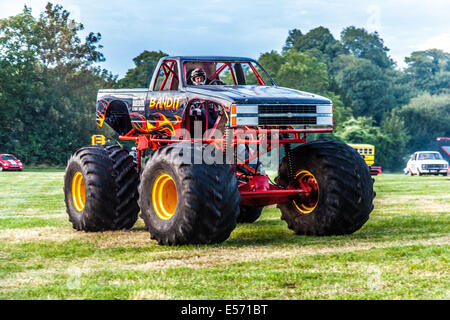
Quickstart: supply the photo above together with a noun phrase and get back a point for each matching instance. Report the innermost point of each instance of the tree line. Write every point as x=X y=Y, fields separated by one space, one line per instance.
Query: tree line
x=49 y=79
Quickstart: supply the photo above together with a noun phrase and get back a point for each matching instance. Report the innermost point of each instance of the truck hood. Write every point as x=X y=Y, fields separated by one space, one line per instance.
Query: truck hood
x=258 y=94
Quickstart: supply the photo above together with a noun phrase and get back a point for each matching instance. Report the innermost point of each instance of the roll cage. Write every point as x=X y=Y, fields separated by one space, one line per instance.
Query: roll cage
x=167 y=75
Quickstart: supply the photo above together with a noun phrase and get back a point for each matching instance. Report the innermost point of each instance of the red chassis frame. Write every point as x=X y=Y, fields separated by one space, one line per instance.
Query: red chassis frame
x=258 y=191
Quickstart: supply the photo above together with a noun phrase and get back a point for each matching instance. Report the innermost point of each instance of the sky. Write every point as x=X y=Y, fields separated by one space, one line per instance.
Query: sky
x=245 y=28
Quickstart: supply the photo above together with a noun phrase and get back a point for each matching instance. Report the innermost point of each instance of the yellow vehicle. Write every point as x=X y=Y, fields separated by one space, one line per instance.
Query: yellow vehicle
x=368 y=153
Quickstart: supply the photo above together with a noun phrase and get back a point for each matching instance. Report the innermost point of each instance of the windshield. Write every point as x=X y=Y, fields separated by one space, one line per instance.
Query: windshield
x=9 y=157
x=430 y=156
x=225 y=73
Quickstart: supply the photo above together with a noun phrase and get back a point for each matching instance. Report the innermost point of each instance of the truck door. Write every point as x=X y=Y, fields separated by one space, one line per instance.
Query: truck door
x=165 y=102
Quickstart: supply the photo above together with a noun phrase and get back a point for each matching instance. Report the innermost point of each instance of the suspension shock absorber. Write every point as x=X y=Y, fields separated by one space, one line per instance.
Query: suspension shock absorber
x=257 y=154
x=229 y=148
x=290 y=162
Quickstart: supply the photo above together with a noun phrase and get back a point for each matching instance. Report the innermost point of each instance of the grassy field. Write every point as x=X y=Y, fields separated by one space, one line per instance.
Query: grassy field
x=401 y=253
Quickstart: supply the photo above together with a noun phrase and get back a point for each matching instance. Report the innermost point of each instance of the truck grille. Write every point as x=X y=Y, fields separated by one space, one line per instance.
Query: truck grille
x=292 y=114
x=286 y=120
x=292 y=108
x=282 y=114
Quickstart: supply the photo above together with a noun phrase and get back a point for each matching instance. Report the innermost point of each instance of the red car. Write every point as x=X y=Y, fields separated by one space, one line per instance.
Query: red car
x=10 y=162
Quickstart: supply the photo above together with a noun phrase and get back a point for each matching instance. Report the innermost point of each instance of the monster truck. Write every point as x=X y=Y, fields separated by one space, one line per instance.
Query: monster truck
x=205 y=173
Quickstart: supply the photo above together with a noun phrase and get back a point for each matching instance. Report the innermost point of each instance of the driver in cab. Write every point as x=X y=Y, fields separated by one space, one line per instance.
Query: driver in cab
x=198 y=77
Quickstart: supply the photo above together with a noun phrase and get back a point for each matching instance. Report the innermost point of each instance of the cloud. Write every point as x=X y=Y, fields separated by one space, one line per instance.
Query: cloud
x=246 y=28
x=75 y=12
x=12 y=8
x=440 y=41
x=373 y=22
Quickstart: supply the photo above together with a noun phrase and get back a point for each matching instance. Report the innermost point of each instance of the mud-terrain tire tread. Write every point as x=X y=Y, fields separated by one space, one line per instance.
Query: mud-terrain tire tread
x=345 y=189
x=111 y=182
x=207 y=199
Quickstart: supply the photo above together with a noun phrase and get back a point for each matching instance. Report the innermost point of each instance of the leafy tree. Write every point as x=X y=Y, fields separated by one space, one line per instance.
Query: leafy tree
x=426 y=117
x=318 y=43
x=401 y=88
x=296 y=70
x=47 y=85
x=271 y=61
x=302 y=72
x=140 y=76
x=390 y=139
x=366 y=88
x=341 y=113
x=293 y=35
x=59 y=45
x=392 y=151
x=363 y=44
x=429 y=71
x=359 y=130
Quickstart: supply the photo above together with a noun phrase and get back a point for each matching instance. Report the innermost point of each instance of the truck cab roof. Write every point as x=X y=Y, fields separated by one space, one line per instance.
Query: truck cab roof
x=208 y=58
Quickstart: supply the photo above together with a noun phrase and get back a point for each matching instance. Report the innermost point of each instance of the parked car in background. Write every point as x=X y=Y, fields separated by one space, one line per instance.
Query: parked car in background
x=10 y=162
x=426 y=162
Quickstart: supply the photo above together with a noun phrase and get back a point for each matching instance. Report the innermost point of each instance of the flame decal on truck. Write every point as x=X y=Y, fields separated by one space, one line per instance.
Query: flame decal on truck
x=101 y=111
x=157 y=124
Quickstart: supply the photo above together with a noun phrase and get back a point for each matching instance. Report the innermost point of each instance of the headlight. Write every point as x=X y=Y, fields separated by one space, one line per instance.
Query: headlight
x=248 y=115
x=423 y=166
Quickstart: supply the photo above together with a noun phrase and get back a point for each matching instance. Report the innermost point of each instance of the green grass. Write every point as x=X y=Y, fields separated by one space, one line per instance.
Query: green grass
x=401 y=253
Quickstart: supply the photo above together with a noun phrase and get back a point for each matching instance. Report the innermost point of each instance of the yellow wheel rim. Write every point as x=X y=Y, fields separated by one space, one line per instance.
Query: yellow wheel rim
x=308 y=182
x=164 y=197
x=78 y=191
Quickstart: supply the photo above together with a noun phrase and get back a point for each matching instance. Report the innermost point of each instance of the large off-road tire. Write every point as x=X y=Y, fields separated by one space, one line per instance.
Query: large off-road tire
x=100 y=188
x=249 y=214
x=341 y=189
x=186 y=203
